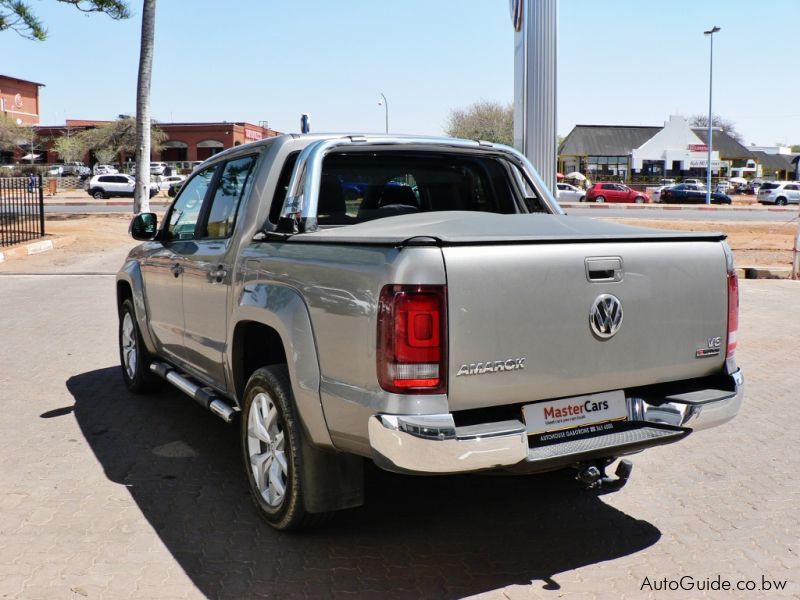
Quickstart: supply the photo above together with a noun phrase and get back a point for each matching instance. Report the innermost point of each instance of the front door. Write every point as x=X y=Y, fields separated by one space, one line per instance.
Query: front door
x=208 y=272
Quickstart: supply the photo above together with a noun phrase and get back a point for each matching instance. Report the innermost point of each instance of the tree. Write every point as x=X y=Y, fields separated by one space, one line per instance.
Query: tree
x=17 y=15
x=483 y=120
x=118 y=136
x=10 y=133
x=141 y=195
x=726 y=125
x=796 y=148
x=105 y=155
x=70 y=148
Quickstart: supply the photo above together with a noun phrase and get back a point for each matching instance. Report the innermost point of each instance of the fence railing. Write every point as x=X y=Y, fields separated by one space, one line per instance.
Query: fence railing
x=21 y=210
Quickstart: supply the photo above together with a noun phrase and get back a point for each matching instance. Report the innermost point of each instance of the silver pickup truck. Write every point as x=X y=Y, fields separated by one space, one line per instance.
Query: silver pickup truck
x=423 y=303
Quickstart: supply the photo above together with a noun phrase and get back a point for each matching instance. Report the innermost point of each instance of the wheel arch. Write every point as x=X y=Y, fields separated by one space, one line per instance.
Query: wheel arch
x=272 y=325
x=130 y=286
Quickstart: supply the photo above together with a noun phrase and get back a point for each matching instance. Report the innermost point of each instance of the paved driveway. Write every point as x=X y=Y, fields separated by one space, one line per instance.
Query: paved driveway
x=105 y=495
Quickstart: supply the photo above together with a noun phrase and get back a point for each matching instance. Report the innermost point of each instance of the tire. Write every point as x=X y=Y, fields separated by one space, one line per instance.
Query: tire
x=639 y=200
x=134 y=358
x=582 y=199
x=271 y=450
x=99 y=195
x=600 y=199
x=781 y=201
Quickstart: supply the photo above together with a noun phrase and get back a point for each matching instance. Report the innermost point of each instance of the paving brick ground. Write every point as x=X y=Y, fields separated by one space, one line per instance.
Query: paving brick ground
x=104 y=495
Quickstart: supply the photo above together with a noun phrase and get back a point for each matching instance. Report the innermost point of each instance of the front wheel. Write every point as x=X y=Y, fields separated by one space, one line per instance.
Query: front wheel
x=781 y=201
x=99 y=195
x=270 y=435
x=639 y=200
x=599 y=199
x=582 y=199
x=133 y=356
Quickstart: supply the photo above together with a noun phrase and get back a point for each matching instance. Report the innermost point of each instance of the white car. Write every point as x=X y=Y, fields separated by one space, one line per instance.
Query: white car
x=779 y=192
x=656 y=195
x=168 y=180
x=114 y=184
x=157 y=168
x=100 y=169
x=569 y=193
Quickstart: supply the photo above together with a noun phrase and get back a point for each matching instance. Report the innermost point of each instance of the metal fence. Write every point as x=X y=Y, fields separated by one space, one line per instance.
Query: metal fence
x=21 y=210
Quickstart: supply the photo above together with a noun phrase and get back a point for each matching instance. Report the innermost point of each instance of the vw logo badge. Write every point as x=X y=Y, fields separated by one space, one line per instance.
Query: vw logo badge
x=605 y=317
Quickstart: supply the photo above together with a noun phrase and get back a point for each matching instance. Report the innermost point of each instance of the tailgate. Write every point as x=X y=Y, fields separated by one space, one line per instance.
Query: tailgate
x=528 y=306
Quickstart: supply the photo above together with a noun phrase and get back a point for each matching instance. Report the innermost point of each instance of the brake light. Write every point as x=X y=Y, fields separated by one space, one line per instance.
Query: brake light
x=412 y=339
x=733 y=312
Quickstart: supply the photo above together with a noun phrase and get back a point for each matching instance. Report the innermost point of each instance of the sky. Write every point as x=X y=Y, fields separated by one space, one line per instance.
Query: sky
x=620 y=62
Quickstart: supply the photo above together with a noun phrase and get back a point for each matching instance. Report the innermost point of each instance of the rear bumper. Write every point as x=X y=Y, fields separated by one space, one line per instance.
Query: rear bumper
x=433 y=443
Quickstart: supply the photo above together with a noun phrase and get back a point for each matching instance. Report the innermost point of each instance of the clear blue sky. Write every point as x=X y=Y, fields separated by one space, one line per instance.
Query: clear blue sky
x=620 y=62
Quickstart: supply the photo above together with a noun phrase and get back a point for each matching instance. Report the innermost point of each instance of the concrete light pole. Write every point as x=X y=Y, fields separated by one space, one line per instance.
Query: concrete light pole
x=385 y=103
x=710 y=33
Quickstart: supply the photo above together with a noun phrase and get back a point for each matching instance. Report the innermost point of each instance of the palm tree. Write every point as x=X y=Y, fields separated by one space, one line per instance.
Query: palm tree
x=141 y=198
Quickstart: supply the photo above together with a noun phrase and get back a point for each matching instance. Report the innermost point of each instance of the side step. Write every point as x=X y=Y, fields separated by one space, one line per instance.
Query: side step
x=205 y=397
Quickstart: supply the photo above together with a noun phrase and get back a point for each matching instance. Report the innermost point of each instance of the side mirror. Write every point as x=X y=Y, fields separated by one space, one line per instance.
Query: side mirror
x=144 y=226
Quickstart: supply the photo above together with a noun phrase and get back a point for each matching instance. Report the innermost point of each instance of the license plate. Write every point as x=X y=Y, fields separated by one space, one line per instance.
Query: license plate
x=578 y=411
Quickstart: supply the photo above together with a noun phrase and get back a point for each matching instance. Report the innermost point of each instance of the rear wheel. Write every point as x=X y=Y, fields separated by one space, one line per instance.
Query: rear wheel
x=599 y=199
x=271 y=442
x=582 y=199
x=781 y=201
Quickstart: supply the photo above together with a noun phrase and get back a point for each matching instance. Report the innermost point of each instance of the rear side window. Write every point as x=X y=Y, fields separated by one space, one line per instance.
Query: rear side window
x=608 y=186
x=770 y=186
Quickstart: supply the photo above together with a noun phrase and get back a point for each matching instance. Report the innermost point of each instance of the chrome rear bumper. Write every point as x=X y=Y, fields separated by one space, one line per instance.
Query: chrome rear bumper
x=433 y=443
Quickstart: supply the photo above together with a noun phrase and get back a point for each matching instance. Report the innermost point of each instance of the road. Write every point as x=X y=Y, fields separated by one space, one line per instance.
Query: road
x=107 y=495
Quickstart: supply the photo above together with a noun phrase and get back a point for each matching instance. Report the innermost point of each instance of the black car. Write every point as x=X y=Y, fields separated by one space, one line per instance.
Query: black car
x=690 y=193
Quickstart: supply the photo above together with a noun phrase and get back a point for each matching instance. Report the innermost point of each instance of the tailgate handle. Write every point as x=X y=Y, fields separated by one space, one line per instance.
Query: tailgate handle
x=604 y=269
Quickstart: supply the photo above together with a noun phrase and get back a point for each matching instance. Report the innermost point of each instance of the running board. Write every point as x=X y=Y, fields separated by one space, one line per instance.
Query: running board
x=205 y=397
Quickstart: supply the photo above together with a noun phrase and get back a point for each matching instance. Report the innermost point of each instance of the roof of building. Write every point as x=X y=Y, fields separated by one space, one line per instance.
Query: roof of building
x=723 y=143
x=19 y=79
x=605 y=140
x=773 y=162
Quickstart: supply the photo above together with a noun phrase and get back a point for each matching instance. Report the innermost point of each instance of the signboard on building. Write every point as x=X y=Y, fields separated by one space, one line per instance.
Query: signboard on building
x=698 y=148
x=253 y=135
x=702 y=163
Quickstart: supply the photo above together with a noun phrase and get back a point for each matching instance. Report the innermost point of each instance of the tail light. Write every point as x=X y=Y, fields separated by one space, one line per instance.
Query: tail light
x=412 y=339
x=733 y=303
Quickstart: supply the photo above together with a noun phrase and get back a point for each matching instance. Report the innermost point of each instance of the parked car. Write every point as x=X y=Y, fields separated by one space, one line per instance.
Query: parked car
x=690 y=193
x=118 y=184
x=55 y=171
x=335 y=333
x=569 y=193
x=780 y=193
x=695 y=182
x=166 y=181
x=614 y=192
x=158 y=168
x=103 y=169
x=656 y=196
x=76 y=169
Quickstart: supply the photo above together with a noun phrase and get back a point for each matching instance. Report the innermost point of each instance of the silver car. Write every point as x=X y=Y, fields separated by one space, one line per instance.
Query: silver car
x=780 y=193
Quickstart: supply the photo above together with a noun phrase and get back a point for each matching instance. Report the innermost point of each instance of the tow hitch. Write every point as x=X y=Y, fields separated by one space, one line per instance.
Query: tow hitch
x=593 y=475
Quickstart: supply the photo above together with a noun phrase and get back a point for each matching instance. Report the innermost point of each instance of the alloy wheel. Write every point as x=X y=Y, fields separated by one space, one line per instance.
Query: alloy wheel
x=267 y=451
x=129 y=350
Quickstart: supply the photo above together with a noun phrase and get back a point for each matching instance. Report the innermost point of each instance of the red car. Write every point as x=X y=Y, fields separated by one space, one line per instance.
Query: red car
x=615 y=192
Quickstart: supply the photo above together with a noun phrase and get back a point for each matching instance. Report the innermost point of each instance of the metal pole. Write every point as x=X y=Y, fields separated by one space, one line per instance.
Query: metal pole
x=386 y=106
x=796 y=255
x=710 y=33
x=41 y=206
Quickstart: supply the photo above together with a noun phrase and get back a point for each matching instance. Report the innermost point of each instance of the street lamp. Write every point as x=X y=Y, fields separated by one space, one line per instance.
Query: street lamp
x=385 y=103
x=710 y=33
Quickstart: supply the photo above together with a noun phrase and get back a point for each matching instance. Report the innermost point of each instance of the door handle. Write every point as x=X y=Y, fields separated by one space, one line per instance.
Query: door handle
x=177 y=269
x=217 y=275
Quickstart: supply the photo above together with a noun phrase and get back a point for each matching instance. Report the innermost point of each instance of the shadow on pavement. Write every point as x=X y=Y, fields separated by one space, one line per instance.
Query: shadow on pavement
x=438 y=537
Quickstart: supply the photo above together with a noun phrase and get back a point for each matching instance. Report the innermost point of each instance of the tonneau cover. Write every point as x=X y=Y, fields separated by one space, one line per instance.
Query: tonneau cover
x=454 y=228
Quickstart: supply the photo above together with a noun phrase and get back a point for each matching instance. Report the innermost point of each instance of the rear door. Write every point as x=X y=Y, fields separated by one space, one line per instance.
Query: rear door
x=530 y=305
